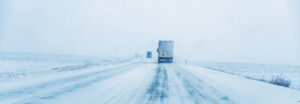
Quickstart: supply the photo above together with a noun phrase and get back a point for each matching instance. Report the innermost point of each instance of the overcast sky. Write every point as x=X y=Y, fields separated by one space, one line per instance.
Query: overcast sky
x=254 y=31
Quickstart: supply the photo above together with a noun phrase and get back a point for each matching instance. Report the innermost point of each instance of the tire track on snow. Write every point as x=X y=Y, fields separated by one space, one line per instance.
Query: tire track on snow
x=198 y=90
x=159 y=88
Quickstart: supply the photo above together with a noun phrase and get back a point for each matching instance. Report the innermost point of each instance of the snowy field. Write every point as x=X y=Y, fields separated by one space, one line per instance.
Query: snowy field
x=258 y=71
x=18 y=65
x=28 y=79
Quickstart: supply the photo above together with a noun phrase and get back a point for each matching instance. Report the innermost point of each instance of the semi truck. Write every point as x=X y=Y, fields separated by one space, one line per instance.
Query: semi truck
x=165 y=51
x=149 y=54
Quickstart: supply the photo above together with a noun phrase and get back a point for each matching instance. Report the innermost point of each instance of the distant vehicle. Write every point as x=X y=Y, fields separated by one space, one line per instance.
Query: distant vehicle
x=165 y=51
x=149 y=54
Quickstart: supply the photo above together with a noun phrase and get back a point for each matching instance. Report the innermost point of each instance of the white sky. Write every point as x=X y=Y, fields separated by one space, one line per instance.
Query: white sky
x=255 y=31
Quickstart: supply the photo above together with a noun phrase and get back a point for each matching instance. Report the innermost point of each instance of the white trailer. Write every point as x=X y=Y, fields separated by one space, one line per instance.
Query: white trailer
x=165 y=51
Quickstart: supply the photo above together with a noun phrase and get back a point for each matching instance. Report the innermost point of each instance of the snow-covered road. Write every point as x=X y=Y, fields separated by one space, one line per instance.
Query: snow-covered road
x=141 y=82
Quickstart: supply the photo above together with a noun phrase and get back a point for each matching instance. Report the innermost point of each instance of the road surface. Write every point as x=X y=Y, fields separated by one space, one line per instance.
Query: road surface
x=142 y=82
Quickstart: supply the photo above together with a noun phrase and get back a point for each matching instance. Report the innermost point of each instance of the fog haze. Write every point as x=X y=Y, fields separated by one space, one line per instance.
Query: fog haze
x=251 y=31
